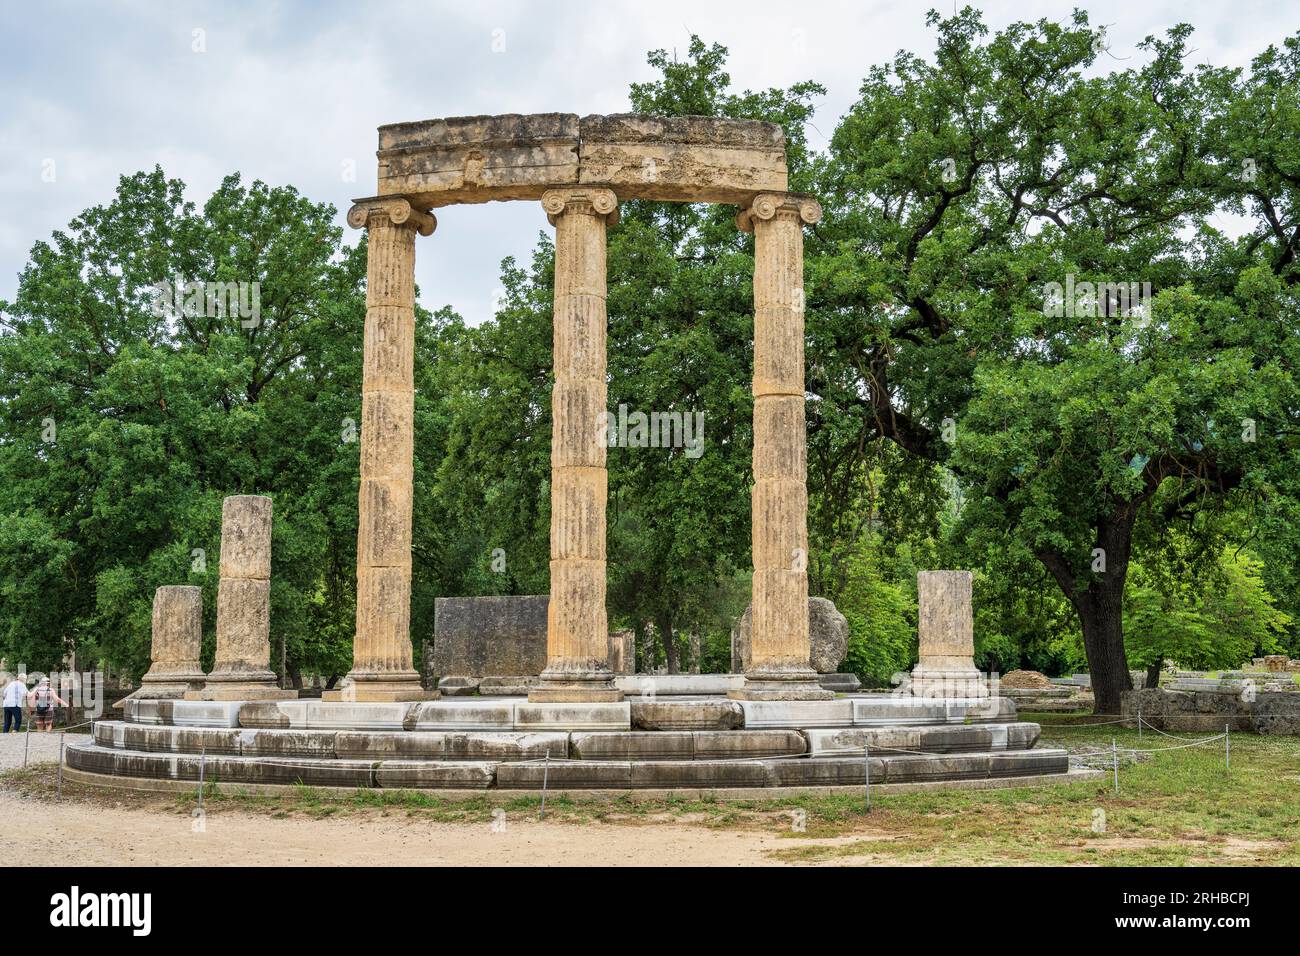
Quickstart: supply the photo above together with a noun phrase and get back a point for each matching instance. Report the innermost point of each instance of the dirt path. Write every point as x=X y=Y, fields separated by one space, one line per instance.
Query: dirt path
x=103 y=835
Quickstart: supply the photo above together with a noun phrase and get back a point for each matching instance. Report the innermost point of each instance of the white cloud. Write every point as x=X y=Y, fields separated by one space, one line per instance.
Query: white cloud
x=287 y=92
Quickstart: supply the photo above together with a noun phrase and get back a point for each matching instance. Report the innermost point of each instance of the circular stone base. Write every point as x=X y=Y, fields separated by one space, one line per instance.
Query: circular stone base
x=679 y=744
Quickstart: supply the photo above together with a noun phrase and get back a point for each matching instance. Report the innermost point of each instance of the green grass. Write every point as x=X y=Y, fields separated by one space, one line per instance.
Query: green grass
x=1173 y=807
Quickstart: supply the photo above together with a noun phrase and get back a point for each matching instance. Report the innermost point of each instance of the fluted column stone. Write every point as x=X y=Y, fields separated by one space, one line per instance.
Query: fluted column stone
x=241 y=669
x=577 y=633
x=177 y=641
x=779 y=649
x=382 y=661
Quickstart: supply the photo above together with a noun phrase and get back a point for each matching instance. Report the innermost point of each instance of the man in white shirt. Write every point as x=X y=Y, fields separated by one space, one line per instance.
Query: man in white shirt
x=15 y=697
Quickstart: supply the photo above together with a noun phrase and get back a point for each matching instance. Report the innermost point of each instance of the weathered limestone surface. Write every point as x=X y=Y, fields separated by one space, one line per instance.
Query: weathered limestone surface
x=241 y=669
x=469 y=159
x=946 y=667
x=497 y=644
x=498 y=636
x=382 y=665
x=177 y=643
x=779 y=647
x=655 y=714
x=622 y=651
x=577 y=642
x=1210 y=711
x=828 y=642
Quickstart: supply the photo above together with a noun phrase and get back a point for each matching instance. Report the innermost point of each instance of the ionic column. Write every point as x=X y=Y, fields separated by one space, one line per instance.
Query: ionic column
x=382 y=666
x=176 y=645
x=242 y=667
x=577 y=632
x=779 y=649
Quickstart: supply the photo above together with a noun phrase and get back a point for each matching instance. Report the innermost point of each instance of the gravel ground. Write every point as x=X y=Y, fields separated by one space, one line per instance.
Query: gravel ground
x=44 y=747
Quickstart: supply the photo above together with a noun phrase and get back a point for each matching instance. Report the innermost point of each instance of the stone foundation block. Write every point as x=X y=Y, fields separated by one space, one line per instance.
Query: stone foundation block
x=656 y=714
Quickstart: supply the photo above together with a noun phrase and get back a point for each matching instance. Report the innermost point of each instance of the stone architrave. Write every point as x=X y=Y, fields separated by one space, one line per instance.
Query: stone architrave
x=577 y=632
x=946 y=667
x=177 y=643
x=779 y=649
x=241 y=670
x=383 y=668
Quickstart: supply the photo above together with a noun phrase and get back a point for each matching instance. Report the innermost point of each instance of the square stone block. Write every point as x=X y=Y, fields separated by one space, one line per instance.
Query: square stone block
x=654 y=745
x=433 y=774
x=197 y=713
x=271 y=714
x=390 y=745
x=797 y=713
x=465 y=714
x=650 y=713
x=506 y=746
x=573 y=775
x=745 y=744
x=286 y=743
x=358 y=716
x=144 y=711
x=576 y=716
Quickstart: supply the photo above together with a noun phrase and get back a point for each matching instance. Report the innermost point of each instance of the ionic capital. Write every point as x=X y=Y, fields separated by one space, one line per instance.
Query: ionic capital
x=398 y=211
x=769 y=205
x=584 y=200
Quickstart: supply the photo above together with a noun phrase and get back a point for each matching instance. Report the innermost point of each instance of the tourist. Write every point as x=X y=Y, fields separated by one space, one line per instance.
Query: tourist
x=42 y=700
x=15 y=697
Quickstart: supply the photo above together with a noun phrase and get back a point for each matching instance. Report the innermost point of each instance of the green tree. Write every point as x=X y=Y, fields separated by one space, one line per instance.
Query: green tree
x=960 y=191
x=123 y=422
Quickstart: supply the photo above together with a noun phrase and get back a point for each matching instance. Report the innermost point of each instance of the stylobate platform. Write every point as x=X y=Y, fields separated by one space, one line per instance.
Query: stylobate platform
x=671 y=744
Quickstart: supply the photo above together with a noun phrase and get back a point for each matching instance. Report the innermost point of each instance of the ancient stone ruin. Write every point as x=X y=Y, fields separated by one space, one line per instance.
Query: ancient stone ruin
x=582 y=726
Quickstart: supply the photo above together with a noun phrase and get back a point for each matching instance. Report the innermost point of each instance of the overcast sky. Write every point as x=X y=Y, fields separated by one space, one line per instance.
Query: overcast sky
x=291 y=92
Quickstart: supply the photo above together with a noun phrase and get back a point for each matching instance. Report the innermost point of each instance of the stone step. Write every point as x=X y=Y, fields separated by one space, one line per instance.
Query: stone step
x=816 y=771
x=944 y=739
x=331 y=744
x=466 y=713
x=93 y=758
x=601 y=745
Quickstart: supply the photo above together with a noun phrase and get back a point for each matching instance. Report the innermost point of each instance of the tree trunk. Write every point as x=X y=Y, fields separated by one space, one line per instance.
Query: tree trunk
x=1100 y=607
x=695 y=652
x=664 y=625
x=1153 y=672
x=1101 y=614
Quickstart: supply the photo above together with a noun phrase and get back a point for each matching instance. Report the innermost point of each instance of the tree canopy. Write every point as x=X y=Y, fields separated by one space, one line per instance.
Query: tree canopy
x=1035 y=349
